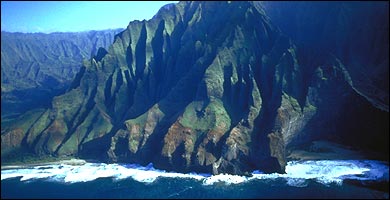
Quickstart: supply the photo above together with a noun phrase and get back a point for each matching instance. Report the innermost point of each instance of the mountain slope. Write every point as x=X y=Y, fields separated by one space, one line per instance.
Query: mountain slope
x=202 y=86
x=36 y=66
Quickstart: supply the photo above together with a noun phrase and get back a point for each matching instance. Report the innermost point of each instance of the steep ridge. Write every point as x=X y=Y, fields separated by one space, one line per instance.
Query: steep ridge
x=202 y=86
x=36 y=66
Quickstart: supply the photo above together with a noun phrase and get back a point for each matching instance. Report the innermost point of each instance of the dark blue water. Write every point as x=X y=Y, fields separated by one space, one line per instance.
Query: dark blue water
x=165 y=185
x=180 y=188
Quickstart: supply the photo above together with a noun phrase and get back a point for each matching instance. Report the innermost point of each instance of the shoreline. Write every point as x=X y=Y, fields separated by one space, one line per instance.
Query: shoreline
x=72 y=161
x=317 y=150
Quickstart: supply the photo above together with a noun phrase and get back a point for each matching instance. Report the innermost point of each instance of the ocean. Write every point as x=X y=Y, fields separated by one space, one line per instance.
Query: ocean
x=322 y=179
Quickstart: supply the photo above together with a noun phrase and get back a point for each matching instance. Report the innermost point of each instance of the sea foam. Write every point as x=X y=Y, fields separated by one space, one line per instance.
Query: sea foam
x=297 y=173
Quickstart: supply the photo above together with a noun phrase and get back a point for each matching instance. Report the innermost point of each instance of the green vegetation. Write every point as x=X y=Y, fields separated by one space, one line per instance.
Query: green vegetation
x=133 y=145
x=24 y=121
x=139 y=120
x=23 y=157
x=205 y=119
x=294 y=103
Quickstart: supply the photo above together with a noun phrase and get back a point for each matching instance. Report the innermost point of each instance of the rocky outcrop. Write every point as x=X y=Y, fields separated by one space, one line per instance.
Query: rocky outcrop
x=202 y=86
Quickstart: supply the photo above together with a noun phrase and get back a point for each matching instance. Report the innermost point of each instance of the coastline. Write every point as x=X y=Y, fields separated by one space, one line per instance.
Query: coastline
x=72 y=161
x=317 y=150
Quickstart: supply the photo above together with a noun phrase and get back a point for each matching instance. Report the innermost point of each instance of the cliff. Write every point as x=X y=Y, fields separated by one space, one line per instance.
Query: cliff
x=203 y=86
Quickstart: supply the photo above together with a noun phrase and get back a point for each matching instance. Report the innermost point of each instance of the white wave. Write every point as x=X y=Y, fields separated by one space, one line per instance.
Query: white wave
x=297 y=173
x=329 y=171
x=324 y=171
x=92 y=171
x=297 y=182
x=150 y=174
x=226 y=178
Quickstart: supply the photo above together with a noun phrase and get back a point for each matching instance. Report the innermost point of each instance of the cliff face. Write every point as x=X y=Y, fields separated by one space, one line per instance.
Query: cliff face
x=356 y=33
x=36 y=66
x=202 y=86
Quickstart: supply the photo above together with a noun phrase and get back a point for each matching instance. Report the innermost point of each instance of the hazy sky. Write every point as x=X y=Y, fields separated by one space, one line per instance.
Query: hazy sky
x=64 y=16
